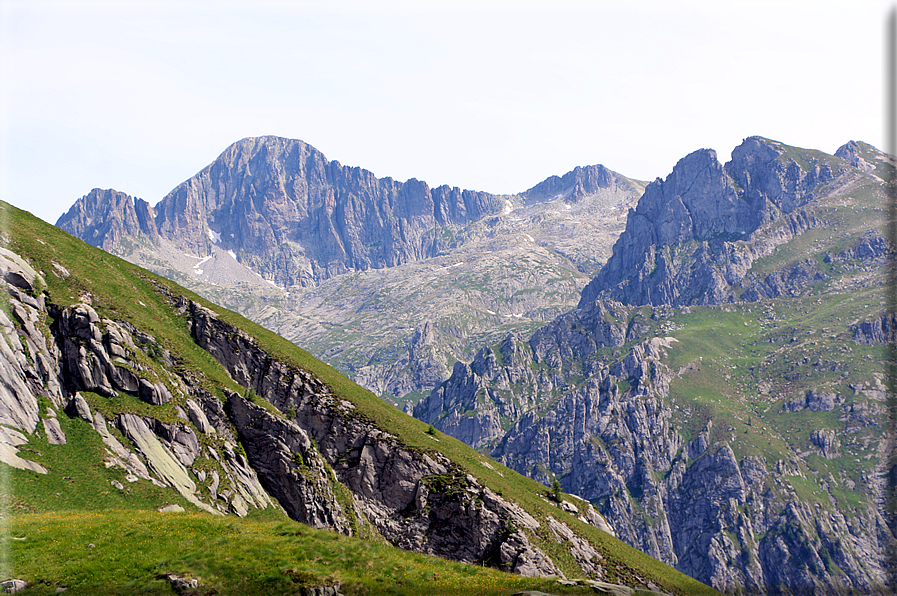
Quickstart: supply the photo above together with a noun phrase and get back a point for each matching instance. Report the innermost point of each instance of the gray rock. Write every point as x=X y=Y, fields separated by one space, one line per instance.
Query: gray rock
x=181 y=584
x=103 y=217
x=159 y=459
x=333 y=590
x=199 y=418
x=80 y=408
x=519 y=556
x=55 y=436
x=18 y=407
x=880 y=330
x=828 y=445
x=153 y=393
x=13 y=586
x=821 y=401
x=398 y=491
x=295 y=218
x=289 y=465
x=16 y=271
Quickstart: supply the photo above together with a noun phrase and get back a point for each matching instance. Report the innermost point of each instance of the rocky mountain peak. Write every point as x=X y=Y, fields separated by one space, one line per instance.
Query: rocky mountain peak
x=693 y=236
x=284 y=210
x=582 y=181
x=103 y=217
x=867 y=158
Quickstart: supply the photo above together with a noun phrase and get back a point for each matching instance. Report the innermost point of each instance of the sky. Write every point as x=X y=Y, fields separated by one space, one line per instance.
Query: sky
x=487 y=95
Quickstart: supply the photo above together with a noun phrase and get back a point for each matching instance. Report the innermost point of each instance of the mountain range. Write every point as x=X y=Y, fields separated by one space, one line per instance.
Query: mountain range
x=715 y=384
x=390 y=282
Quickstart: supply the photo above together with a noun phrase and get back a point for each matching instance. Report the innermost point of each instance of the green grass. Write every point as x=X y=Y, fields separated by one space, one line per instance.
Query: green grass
x=132 y=550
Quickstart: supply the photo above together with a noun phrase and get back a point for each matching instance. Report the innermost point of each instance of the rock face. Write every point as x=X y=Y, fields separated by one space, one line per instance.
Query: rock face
x=400 y=492
x=694 y=236
x=630 y=402
x=290 y=214
x=615 y=441
x=880 y=330
x=867 y=158
x=500 y=386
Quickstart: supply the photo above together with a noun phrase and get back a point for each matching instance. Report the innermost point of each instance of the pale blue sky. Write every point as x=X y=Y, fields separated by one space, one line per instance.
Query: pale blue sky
x=486 y=95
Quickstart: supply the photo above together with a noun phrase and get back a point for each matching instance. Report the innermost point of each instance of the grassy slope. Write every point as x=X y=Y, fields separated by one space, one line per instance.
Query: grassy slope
x=746 y=360
x=120 y=290
x=132 y=549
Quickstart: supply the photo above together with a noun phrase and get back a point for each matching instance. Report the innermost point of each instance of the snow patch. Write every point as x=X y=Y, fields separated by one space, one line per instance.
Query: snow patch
x=528 y=237
x=232 y=254
x=214 y=236
x=455 y=265
x=509 y=206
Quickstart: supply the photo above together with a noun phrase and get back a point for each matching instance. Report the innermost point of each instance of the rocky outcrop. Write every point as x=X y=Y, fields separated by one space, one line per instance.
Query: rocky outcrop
x=478 y=402
x=816 y=401
x=692 y=505
x=275 y=211
x=872 y=246
x=610 y=424
x=289 y=465
x=867 y=158
x=574 y=185
x=881 y=330
x=693 y=237
x=793 y=281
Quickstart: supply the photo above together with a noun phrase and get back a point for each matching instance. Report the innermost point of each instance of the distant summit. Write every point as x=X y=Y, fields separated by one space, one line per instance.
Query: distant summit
x=288 y=213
